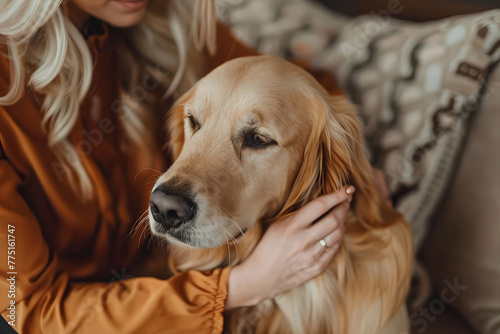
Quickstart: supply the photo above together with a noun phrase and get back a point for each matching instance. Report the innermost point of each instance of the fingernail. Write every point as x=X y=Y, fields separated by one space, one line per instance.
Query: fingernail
x=350 y=190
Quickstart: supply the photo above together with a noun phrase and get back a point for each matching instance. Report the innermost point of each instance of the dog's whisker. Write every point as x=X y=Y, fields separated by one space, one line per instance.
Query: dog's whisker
x=148 y=182
x=233 y=239
x=227 y=242
x=140 y=237
x=234 y=221
x=208 y=254
x=239 y=229
x=164 y=245
x=235 y=242
x=145 y=231
x=137 y=224
x=145 y=169
x=151 y=238
x=143 y=221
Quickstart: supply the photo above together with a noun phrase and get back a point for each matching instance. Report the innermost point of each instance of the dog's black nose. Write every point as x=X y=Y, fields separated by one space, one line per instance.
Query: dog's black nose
x=171 y=210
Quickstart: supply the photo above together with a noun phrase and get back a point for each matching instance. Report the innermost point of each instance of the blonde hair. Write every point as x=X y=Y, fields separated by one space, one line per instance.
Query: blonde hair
x=49 y=55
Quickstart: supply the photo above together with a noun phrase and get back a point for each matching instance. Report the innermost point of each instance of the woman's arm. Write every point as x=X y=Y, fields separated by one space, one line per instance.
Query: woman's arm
x=46 y=301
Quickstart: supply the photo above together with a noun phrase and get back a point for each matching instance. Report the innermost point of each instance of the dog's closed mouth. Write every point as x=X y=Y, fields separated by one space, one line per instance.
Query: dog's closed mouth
x=181 y=233
x=176 y=233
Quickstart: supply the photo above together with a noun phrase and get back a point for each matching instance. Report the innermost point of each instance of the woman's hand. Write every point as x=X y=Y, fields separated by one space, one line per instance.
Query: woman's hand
x=289 y=253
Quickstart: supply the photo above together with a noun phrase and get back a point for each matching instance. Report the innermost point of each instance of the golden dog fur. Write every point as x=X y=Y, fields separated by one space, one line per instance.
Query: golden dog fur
x=318 y=150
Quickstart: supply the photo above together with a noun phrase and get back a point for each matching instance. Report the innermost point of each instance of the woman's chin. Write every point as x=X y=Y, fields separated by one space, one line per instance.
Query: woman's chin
x=125 y=21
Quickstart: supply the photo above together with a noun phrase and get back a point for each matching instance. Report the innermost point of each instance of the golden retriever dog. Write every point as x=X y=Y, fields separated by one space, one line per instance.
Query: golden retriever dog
x=253 y=141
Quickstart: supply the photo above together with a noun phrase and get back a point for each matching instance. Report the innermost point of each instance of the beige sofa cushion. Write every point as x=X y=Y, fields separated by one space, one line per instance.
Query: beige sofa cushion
x=465 y=238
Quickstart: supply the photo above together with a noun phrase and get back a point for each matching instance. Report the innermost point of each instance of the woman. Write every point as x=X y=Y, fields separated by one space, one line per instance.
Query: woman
x=80 y=105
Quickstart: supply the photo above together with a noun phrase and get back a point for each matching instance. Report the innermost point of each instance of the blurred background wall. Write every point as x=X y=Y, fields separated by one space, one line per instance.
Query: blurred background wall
x=415 y=10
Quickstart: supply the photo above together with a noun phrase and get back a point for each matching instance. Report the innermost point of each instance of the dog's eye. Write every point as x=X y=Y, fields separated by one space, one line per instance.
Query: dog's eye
x=256 y=140
x=194 y=123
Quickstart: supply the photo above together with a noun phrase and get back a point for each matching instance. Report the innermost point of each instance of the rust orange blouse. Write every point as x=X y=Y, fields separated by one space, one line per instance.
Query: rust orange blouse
x=70 y=254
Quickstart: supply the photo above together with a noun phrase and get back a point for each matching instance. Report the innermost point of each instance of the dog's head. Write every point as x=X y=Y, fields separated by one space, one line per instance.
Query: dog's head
x=257 y=138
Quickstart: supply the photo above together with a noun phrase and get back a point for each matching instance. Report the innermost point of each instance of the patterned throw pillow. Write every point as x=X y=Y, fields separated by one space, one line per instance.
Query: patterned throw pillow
x=416 y=84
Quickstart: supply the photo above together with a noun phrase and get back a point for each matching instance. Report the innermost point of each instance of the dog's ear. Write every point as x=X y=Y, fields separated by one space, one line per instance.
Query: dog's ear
x=175 y=125
x=334 y=157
